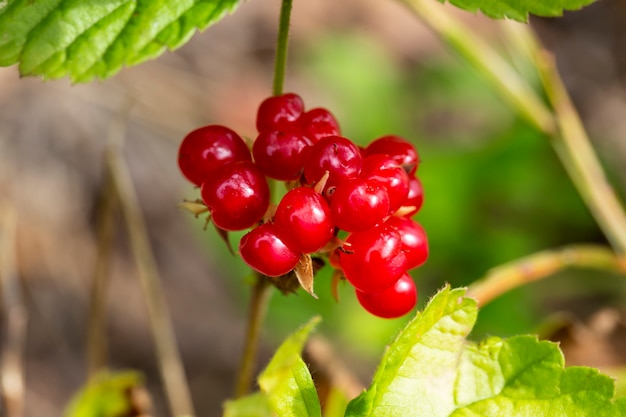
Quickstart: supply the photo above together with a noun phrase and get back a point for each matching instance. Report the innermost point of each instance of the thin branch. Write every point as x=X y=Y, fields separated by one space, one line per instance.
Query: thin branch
x=259 y=299
x=170 y=363
x=15 y=319
x=541 y=265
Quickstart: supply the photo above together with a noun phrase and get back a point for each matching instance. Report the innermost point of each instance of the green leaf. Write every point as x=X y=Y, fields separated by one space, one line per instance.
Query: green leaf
x=287 y=380
x=519 y=9
x=106 y=395
x=432 y=370
x=254 y=405
x=84 y=39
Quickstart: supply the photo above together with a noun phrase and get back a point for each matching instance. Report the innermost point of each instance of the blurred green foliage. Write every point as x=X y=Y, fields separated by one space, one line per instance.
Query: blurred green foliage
x=494 y=188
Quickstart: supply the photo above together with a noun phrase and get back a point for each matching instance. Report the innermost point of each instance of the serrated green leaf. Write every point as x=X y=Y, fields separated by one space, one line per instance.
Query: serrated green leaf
x=519 y=9
x=105 y=395
x=287 y=381
x=254 y=405
x=432 y=370
x=86 y=39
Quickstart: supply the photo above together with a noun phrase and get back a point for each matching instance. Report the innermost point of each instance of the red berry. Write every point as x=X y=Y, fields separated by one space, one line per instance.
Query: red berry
x=279 y=154
x=395 y=301
x=303 y=220
x=401 y=150
x=335 y=154
x=359 y=204
x=414 y=240
x=237 y=195
x=415 y=198
x=265 y=252
x=279 y=111
x=373 y=260
x=386 y=171
x=319 y=123
x=208 y=148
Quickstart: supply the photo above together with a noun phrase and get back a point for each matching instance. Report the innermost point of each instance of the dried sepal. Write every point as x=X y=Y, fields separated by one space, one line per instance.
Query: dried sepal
x=304 y=273
x=195 y=207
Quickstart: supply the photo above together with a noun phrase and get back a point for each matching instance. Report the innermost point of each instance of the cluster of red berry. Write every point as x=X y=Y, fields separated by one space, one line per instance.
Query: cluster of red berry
x=370 y=193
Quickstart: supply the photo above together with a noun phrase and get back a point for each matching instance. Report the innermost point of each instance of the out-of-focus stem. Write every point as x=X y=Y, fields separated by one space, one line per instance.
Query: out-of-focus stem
x=15 y=319
x=486 y=61
x=96 y=340
x=259 y=300
x=169 y=360
x=504 y=278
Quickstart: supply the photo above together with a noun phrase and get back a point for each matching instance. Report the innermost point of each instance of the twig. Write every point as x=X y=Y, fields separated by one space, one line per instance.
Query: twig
x=259 y=299
x=15 y=319
x=170 y=363
x=540 y=265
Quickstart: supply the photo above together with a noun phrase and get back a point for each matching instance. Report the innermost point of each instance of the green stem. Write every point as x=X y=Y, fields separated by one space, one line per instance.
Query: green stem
x=281 y=47
x=258 y=307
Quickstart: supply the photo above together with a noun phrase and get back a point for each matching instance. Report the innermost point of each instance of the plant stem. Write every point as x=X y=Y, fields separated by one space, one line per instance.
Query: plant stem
x=504 y=278
x=259 y=299
x=280 y=64
x=169 y=360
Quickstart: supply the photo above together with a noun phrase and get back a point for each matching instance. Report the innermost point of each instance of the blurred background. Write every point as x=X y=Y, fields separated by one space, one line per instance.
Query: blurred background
x=494 y=188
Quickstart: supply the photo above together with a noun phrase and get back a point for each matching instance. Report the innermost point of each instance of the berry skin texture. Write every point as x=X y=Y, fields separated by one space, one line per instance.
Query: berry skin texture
x=265 y=252
x=319 y=123
x=207 y=148
x=279 y=154
x=414 y=240
x=279 y=112
x=335 y=154
x=237 y=195
x=386 y=171
x=359 y=204
x=394 y=302
x=401 y=150
x=373 y=260
x=303 y=220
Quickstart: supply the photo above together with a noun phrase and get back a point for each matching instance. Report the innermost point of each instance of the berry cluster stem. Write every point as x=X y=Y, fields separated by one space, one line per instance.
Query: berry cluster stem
x=280 y=62
x=259 y=299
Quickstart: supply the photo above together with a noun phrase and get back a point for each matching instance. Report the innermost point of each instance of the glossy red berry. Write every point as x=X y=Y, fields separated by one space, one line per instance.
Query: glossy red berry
x=373 y=260
x=319 y=123
x=208 y=148
x=401 y=150
x=303 y=220
x=279 y=112
x=279 y=154
x=265 y=252
x=359 y=204
x=335 y=154
x=415 y=198
x=414 y=240
x=386 y=171
x=237 y=195
x=395 y=301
